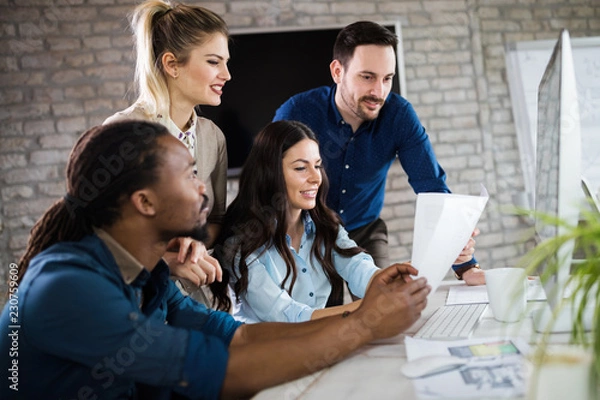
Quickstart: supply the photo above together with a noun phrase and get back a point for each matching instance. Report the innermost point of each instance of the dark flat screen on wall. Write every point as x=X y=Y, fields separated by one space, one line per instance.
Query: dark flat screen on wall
x=267 y=68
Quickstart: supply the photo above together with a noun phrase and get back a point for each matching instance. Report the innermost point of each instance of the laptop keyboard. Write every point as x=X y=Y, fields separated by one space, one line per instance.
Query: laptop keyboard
x=452 y=322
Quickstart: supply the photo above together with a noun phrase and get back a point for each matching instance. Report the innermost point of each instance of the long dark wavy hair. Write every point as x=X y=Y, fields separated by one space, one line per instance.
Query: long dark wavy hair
x=106 y=165
x=257 y=216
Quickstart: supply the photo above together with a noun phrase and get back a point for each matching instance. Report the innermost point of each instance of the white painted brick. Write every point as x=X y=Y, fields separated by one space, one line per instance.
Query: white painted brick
x=96 y=42
x=11 y=96
x=426 y=71
x=67 y=109
x=21 y=46
x=353 y=8
x=400 y=7
x=108 y=72
x=312 y=8
x=25 y=111
x=12 y=160
x=76 y=29
x=39 y=127
x=67 y=76
x=71 y=125
x=53 y=189
x=25 y=222
x=7 y=30
x=59 y=141
x=26 y=175
x=98 y=106
x=79 y=92
x=18 y=242
x=49 y=157
x=458 y=18
x=79 y=60
x=431 y=97
x=488 y=12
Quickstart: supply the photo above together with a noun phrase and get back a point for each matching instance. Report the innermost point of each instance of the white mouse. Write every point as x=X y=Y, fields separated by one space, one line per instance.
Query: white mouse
x=430 y=365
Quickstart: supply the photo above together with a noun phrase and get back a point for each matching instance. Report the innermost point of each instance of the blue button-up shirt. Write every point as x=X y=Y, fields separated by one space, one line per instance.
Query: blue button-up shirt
x=357 y=163
x=265 y=300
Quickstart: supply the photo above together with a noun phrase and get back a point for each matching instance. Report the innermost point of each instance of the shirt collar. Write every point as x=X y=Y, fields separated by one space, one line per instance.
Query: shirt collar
x=309 y=225
x=173 y=128
x=187 y=137
x=336 y=112
x=128 y=265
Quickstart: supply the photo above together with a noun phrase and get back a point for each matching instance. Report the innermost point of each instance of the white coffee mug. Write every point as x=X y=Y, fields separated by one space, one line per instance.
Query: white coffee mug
x=507 y=293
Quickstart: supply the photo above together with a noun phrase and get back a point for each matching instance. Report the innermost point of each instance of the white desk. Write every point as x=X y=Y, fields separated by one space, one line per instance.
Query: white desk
x=373 y=372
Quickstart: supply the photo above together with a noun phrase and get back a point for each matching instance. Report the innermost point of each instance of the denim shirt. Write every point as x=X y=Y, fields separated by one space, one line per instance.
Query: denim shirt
x=88 y=328
x=265 y=300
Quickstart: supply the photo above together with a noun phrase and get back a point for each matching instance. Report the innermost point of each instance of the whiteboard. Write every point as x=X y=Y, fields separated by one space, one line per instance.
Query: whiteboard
x=525 y=65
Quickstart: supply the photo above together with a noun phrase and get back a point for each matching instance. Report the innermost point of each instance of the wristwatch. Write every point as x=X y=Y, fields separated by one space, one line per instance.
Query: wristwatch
x=458 y=273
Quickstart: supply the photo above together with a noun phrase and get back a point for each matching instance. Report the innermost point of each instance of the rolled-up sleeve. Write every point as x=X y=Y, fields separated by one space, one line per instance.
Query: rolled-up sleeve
x=356 y=270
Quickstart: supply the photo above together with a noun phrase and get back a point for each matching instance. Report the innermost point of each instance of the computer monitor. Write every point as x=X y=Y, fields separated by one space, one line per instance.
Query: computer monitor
x=558 y=190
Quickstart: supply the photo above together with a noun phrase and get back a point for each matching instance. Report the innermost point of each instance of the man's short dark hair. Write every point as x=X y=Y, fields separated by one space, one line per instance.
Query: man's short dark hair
x=361 y=33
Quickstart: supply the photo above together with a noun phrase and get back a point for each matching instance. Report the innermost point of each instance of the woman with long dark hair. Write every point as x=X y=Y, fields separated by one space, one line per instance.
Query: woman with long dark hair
x=285 y=250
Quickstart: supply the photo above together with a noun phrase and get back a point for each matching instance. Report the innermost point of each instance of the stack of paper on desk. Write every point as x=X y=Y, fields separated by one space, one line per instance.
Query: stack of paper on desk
x=495 y=367
x=444 y=223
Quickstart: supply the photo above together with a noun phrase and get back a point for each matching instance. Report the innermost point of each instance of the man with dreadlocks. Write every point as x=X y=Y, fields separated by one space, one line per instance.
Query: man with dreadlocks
x=98 y=317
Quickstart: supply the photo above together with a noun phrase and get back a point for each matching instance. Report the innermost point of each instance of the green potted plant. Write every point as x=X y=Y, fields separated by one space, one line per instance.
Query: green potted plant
x=584 y=278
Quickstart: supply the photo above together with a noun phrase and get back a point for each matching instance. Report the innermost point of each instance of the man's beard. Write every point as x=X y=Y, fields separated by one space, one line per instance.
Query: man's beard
x=200 y=233
x=362 y=110
x=357 y=107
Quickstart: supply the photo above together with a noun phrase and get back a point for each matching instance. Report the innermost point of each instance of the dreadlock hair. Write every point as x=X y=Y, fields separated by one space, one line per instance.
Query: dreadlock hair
x=107 y=164
x=257 y=216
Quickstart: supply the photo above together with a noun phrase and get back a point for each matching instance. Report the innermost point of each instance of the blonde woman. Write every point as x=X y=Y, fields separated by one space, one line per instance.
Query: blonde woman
x=182 y=54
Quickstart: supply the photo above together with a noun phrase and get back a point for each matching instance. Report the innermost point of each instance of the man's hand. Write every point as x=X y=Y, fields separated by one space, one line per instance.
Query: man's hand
x=474 y=277
x=394 y=301
x=188 y=258
x=467 y=252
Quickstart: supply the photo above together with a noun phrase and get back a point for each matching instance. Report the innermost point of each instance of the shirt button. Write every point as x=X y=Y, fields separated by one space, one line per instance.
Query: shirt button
x=133 y=316
x=311 y=294
x=346 y=166
x=183 y=383
x=303 y=269
x=343 y=191
x=341 y=211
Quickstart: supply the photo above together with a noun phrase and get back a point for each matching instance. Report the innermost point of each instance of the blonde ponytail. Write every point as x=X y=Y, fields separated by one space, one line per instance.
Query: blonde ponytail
x=150 y=80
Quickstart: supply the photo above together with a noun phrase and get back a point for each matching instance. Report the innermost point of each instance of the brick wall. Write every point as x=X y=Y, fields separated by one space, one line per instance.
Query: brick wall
x=67 y=64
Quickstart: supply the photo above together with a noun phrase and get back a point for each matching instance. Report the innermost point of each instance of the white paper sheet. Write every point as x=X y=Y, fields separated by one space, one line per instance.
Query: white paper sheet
x=478 y=294
x=495 y=368
x=444 y=223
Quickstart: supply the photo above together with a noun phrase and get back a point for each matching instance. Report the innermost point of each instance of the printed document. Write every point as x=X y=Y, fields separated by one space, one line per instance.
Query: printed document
x=495 y=367
x=444 y=223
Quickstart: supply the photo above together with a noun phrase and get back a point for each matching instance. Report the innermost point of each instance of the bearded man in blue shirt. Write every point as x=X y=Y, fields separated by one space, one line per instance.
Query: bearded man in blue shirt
x=362 y=127
x=93 y=314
